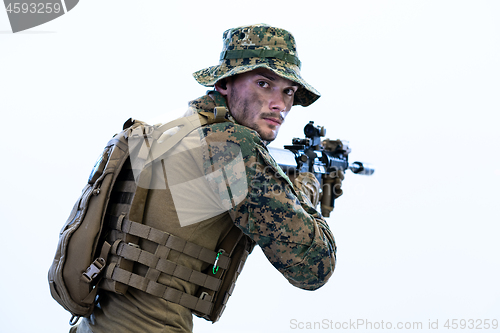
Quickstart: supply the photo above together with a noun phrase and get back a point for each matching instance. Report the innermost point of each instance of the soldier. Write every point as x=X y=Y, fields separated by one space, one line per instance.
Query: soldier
x=219 y=192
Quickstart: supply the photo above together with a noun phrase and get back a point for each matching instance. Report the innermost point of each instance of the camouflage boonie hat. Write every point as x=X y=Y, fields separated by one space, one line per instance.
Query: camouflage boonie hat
x=250 y=47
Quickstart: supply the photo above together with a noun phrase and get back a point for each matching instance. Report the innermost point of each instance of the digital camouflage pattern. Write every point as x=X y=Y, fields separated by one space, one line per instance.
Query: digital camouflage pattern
x=273 y=213
x=250 y=47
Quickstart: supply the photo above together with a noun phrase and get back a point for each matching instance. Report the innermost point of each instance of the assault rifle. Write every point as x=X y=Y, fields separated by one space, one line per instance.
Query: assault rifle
x=322 y=158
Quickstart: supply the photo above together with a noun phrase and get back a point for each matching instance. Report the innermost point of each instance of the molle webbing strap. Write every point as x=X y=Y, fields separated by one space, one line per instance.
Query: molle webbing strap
x=170 y=241
x=237 y=246
x=241 y=247
x=160 y=290
x=159 y=263
x=220 y=303
x=222 y=283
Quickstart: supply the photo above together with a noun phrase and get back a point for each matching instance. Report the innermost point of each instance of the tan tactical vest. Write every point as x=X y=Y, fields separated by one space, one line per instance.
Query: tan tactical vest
x=125 y=229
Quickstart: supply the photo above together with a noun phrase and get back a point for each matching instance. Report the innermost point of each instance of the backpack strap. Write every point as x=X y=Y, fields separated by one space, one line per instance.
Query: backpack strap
x=186 y=125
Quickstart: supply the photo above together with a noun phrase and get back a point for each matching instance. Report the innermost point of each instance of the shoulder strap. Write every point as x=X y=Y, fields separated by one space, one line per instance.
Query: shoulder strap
x=185 y=126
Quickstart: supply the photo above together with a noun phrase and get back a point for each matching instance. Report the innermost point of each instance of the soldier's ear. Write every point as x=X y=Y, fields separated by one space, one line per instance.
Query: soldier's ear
x=221 y=87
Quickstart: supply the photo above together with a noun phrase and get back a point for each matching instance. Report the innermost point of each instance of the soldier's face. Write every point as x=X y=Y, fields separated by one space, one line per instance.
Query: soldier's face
x=260 y=99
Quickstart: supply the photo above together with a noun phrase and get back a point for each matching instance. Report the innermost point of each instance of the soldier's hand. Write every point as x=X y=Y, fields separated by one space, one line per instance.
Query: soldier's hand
x=337 y=178
x=307 y=183
x=332 y=187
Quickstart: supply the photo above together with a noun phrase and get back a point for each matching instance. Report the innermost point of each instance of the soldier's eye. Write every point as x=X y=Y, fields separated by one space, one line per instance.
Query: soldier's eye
x=263 y=84
x=290 y=91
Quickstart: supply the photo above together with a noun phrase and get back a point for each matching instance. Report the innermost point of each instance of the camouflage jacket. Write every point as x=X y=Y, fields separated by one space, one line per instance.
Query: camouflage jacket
x=218 y=176
x=270 y=210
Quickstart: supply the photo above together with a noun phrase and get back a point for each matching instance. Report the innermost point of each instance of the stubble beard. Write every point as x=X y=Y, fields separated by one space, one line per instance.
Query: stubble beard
x=249 y=112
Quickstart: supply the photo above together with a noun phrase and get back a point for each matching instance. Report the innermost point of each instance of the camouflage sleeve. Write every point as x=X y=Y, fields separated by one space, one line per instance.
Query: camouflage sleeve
x=280 y=219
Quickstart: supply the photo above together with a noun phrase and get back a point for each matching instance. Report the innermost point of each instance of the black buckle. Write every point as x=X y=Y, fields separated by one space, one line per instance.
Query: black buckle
x=94 y=269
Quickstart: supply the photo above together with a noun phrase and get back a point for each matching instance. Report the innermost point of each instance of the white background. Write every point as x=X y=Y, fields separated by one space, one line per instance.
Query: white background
x=413 y=85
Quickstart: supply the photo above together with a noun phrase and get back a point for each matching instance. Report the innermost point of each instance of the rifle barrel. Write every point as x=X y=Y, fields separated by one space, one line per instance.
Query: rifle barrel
x=360 y=168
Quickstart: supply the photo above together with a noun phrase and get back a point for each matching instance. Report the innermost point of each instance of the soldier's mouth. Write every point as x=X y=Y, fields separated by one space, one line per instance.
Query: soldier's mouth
x=273 y=121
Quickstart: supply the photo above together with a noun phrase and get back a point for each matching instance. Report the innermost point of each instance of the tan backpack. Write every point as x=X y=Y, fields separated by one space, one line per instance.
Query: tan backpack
x=84 y=262
x=80 y=256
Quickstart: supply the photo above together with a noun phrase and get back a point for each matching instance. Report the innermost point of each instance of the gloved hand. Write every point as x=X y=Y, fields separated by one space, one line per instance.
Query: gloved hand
x=307 y=183
x=337 y=178
x=332 y=187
